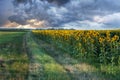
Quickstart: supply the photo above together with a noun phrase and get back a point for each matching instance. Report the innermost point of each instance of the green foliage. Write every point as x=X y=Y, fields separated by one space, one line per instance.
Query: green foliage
x=101 y=47
x=14 y=56
x=46 y=67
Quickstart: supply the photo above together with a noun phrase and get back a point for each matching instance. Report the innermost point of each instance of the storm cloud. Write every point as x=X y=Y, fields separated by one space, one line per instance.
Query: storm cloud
x=78 y=14
x=6 y=10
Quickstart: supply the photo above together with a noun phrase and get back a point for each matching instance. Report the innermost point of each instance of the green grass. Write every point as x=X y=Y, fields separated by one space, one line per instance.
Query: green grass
x=43 y=61
x=104 y=57
x=9 y=36
x=14 y=56
x=48 y=67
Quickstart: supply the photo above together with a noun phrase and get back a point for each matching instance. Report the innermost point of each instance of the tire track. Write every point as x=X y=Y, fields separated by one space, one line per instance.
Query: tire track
x=42 y=66
x=35 y=68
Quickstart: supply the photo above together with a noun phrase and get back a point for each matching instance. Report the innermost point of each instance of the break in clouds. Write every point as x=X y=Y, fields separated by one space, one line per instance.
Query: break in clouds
x=77 y=14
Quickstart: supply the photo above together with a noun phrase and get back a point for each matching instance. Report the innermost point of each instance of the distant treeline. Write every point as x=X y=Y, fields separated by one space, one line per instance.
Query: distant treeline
x=15 y=30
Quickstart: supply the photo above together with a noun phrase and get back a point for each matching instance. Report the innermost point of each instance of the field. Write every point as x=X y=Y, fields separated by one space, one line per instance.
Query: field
x=60 y=55
x=13 y=57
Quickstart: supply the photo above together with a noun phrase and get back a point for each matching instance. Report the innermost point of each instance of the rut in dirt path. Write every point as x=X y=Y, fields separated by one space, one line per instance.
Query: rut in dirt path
x=75 y=69
x=35 y=68
x=42 y=66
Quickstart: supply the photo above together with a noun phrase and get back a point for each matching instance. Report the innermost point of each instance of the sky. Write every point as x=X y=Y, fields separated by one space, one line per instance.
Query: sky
x=75 y=14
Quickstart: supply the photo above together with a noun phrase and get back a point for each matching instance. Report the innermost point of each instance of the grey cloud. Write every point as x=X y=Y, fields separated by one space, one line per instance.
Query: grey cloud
x=2 y=20
x=58 y=2
x=84 y=11
x=18 y=19
x=68 y=13
x=6 y=10
x=38 y=10
x=112 y=20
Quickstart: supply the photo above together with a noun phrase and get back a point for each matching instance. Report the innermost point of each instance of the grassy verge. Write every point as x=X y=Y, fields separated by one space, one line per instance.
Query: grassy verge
x=43 y=67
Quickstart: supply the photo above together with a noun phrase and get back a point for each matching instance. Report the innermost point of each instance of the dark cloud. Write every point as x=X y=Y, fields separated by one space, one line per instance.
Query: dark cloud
x=6 y=10
x=59 y=2
x=18 y=19
x=68 y=13
x=2 y=20
x=20 y=1
x=17 y=2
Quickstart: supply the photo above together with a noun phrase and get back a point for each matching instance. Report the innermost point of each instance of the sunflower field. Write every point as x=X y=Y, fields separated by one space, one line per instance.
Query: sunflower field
x=101 y=46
